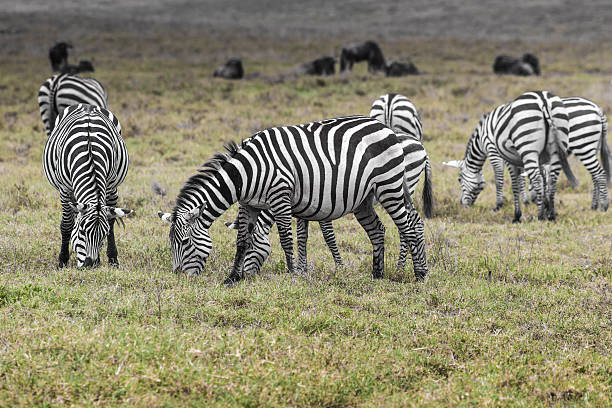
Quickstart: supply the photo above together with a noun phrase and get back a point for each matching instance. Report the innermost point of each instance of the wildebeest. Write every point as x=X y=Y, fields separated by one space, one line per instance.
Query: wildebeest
x=527 y=65
x=231 y=70
x=321 y=66
x=365 y=51
x=398 y=69
x=58 y=54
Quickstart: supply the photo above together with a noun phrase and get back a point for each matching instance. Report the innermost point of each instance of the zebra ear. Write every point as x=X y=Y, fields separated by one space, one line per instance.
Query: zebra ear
x=78 y=207
x=195 y=213
x=232 y=225
x=165 y=216
x=454 y=163
x=113 y=212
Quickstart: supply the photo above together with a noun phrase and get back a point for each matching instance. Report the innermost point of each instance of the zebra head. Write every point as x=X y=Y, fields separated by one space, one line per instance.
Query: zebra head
x=472 y=183
x=190 y=241
x=90 y=228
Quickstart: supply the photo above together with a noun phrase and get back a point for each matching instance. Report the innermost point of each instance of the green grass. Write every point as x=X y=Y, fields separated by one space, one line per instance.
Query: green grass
x=510 y=315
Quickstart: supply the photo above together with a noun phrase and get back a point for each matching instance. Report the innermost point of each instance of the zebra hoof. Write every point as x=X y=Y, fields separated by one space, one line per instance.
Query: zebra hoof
x=377 y=275
x=516 y=220
x=420 y=275
x=61 y=264
x=232 y=280
x=114 y=262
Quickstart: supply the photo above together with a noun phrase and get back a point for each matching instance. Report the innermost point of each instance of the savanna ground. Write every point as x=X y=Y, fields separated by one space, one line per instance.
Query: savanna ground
x=510 y=315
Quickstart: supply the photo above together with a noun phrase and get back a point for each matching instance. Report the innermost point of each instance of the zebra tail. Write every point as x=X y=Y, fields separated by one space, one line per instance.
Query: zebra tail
x=561 y=151
x=605 y=149
x=428 y=196
x=563 y=159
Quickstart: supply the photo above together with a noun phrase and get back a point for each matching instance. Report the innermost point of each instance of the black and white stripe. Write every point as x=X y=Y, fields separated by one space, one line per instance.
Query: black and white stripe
x=588 y=128
x=529 y=132
x=394 y=111
x=399 y=113
x=63 y=90
x=317 y=171
x=85 y=159
x=416 y=163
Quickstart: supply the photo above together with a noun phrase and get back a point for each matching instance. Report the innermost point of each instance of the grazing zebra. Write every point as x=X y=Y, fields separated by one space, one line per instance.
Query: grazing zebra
x=396 y=112
x=416 y=162
x=529 y=132
x=315 y=171
x=399 y=113
x=588 y=128
x=63 y=90
x=85 y=159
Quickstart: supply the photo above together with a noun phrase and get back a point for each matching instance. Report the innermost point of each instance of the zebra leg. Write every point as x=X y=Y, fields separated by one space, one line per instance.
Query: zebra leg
x=330 y=239
x=281 y=208
x=536 y=180
x=596 y=191
x=551 y=187
x=247 y=217
x=498 y=168
x=260 y=251
x=375 y=229
x=604 y=201
x=111 y=247
x=522 y=186
x=302 y=239
x=600 y=185
x=66 y=226
x=518 y=186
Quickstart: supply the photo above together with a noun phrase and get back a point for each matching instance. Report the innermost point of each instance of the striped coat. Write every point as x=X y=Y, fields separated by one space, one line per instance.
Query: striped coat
x=85 y=159
x=63 y=90
x=317 y=171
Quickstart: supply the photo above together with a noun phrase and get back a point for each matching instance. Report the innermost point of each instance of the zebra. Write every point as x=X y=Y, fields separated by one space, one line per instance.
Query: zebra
x=399 y=113
x=63 y=90
x=85 y=159
x=396 y=112
x=528 y=132
x=588 y=128
x=315 y=171
x=416 y=162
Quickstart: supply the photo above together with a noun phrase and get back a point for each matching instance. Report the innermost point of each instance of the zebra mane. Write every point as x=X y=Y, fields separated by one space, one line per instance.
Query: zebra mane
x=206 y=172
x=470 y=142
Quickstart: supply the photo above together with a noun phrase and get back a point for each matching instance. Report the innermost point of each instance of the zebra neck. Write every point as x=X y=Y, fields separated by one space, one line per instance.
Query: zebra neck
x=212 y=191
x=475 y=154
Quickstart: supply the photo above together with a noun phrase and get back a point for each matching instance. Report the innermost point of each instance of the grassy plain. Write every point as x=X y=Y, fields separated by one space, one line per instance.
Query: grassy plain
x=510 y=315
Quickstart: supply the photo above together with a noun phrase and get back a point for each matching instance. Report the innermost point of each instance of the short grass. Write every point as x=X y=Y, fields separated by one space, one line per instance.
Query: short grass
x=510 y=315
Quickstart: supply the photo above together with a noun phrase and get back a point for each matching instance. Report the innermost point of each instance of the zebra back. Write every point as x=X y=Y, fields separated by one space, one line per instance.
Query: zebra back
x=63 y=90
x=399 y=113
x=94 y=133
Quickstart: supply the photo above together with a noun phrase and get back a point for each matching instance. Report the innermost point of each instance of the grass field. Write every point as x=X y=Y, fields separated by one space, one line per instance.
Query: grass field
x=510 y=315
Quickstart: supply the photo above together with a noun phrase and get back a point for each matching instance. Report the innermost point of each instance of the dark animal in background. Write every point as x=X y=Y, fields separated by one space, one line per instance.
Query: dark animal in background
x=58 y=54
x=231 y=70
x=366 y=51
x=398 y=69
x=527 y=65
x=321 y=66
x=84 y=66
